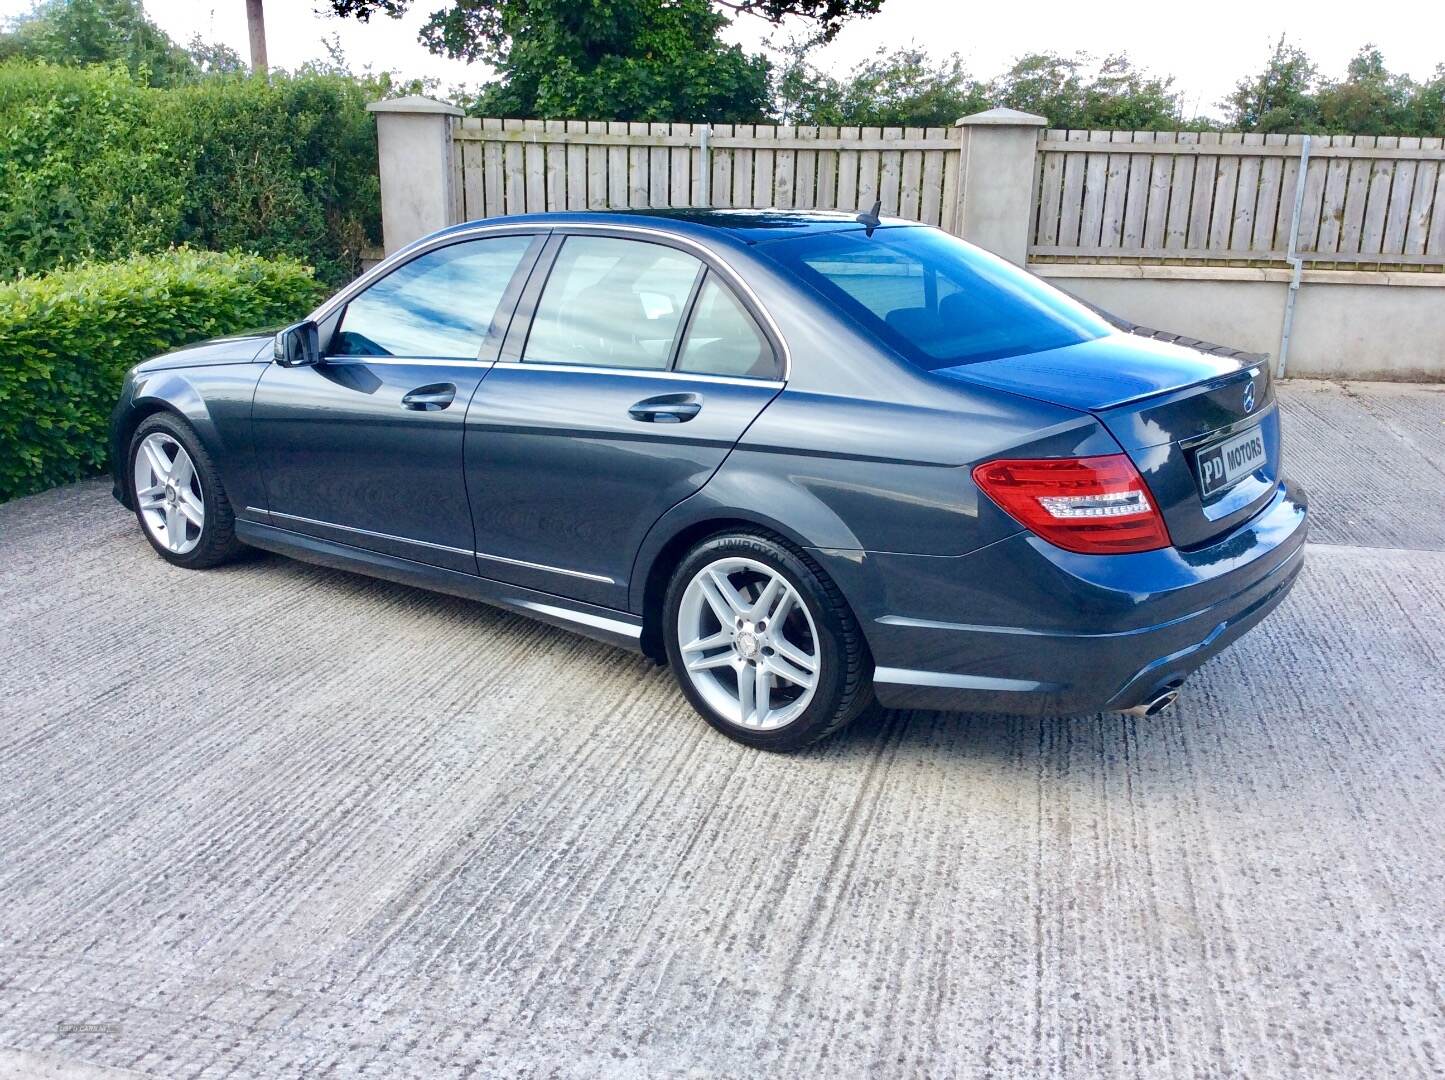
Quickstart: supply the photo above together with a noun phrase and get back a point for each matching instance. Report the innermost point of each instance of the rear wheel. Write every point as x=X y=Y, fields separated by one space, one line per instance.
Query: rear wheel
x=763 y=644
x=178 y=497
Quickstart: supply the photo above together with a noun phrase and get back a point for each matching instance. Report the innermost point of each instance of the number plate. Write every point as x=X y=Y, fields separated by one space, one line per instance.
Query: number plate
x=1226 y=463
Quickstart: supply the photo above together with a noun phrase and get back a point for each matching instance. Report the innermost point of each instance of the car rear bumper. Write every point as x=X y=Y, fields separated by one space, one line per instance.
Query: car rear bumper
x=1023 y=627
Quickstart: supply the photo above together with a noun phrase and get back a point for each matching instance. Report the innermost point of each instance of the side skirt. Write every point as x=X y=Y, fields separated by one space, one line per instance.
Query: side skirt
x=618 y=628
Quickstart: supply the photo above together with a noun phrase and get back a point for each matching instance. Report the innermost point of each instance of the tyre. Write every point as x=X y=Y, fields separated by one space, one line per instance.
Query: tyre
x=178 y=496
x=763 y=644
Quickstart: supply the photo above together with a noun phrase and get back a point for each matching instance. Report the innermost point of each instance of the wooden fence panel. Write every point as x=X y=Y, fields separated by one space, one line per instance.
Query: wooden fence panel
x=827 y=185
x=722 y=169
x=911 y=178
x=1116 y=190
x=784 y=166
x=1246 y=198
x=516 y=166
x=1421 y=200
x=1402 y=188
x=1181 y=195
x=1230 y=197
x=1156 y=211
x=1276 y=195
x=1141 y=195
x=1435 y=245
x=805 y=172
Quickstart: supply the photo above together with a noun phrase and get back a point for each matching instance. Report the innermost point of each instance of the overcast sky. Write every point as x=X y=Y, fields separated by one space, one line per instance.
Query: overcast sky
x=1206 y=46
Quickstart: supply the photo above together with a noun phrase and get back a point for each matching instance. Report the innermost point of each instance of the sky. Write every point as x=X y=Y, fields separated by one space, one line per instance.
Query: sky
x=1208 y=47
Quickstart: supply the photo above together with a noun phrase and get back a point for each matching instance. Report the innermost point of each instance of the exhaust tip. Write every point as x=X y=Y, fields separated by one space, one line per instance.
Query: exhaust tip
x=1159 y=703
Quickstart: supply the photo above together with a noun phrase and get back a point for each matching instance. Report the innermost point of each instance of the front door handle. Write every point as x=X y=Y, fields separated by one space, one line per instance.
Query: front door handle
x=430 y=398
x=667 y=409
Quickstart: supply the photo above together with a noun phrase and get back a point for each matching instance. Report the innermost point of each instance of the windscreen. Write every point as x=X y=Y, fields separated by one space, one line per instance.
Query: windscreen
x=938 y=301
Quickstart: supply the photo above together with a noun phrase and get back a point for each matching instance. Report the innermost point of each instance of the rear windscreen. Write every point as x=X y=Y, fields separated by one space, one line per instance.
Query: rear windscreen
x=938 y=301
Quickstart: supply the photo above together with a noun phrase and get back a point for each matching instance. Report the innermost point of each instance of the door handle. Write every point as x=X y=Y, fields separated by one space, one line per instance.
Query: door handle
x=667 y=409
x=430 y=398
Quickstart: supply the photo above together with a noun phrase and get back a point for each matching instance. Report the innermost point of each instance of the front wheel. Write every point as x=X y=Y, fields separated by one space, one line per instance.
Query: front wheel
x=763 y=644
x=177 y=494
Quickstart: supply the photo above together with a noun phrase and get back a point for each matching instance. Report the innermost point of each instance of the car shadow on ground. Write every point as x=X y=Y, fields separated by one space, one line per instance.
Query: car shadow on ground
x=1016 y=742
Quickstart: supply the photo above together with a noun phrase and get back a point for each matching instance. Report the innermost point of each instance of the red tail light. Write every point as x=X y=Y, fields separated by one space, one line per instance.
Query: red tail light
x=1092 y=505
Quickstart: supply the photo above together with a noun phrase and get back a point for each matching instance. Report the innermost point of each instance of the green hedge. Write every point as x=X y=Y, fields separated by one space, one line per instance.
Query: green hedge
x=96 y=166
x=67 y=339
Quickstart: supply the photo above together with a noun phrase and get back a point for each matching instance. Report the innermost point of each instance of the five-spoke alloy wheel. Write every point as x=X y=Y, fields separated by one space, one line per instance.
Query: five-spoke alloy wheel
x=749 y=643
x=762 y=643
x=178 y=496
x=168 y=493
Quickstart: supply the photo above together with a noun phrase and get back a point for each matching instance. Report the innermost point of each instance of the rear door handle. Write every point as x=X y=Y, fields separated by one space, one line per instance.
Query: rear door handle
x=430 y=398
x=667 y=409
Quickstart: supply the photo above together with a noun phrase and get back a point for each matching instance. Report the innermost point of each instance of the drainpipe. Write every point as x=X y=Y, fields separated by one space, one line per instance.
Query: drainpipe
x=1292 y=257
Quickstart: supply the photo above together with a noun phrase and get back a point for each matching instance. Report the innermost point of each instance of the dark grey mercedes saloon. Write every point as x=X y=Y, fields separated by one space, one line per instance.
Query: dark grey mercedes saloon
x=808 y=460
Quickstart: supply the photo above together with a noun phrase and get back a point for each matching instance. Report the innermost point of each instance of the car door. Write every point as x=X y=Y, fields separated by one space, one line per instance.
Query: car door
x=630 y=372
x=365 y=447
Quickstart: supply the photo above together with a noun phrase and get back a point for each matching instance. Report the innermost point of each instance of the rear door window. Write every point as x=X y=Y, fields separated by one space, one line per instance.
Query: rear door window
x=723 y=339
x=611 y=303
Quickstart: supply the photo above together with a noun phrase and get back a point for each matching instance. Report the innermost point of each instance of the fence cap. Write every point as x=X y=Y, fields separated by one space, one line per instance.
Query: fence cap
x=414 y=103
x=1002 y=117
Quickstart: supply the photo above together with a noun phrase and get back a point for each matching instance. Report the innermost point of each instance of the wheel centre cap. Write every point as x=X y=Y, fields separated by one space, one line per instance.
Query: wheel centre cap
x=747 y=644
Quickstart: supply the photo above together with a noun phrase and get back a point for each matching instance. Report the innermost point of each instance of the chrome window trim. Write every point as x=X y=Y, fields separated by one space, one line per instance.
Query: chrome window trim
x=653 y=373
x=427 y=544
x=421 y=247
x=407 y=361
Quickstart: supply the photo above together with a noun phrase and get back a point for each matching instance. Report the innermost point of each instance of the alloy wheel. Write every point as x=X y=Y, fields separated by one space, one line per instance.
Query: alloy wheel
x=168 y=493
x=749 y=643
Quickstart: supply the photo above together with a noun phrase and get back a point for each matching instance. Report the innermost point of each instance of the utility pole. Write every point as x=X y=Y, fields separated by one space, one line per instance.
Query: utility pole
x=256 y=23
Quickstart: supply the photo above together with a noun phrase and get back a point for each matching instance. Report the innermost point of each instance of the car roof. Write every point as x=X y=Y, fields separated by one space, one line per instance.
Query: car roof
x=748 y=226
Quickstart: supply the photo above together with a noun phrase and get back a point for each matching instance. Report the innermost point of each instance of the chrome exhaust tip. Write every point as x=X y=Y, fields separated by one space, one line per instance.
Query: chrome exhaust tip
x=1154 y=706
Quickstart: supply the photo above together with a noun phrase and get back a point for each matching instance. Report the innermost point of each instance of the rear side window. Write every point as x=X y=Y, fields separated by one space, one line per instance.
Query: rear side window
x=723 y=339
x=611 y=303
x=440 y=304
x=937 y=300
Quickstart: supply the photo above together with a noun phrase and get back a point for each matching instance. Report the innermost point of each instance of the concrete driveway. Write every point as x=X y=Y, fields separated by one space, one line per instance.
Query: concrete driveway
x=274 y=821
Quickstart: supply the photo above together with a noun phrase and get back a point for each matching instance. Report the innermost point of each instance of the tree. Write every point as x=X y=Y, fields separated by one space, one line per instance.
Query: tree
x=1074 y=93
x=1290 y=95
x=612 y=59
x=1368 y=100
x=473 y=29
x=79 y=32
x=902 y=88
x=214 y=57
x=1281 y=97
x=256 y=29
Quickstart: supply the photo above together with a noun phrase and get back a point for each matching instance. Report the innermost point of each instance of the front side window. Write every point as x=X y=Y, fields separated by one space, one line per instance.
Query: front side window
x=440 y=304
x=937 y=300
x=722 y=338
x=611 y=303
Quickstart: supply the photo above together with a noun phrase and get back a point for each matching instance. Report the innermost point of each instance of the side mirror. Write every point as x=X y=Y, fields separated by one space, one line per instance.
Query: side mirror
x=299 y=345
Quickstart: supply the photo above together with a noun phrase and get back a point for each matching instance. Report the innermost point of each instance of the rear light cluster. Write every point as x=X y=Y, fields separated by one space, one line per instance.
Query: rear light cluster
x=1091 y=505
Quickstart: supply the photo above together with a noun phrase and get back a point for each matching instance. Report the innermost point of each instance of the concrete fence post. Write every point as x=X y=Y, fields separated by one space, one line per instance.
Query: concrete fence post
x=414 y=155
x=998 y=157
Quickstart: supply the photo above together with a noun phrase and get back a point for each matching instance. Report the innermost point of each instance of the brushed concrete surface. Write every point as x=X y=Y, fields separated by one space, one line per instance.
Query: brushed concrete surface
x=275 y=821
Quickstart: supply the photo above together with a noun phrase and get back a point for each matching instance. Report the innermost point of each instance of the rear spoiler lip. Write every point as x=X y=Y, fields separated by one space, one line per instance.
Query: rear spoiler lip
x=1124 y=325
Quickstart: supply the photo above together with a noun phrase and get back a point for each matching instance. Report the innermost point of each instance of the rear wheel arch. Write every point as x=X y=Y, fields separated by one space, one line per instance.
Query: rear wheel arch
x=808 y=638
x=658 y=572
